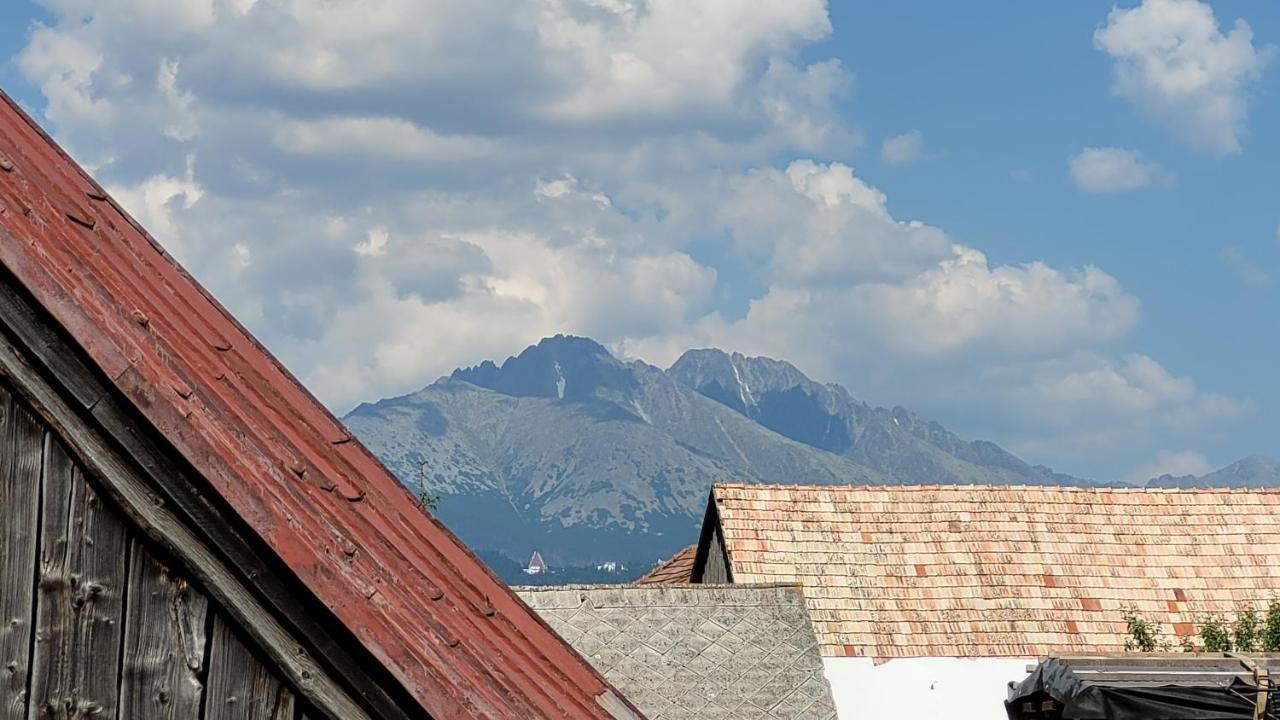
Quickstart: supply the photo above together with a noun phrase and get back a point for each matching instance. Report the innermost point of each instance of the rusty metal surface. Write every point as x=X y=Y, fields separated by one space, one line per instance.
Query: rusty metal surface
x=458 y=640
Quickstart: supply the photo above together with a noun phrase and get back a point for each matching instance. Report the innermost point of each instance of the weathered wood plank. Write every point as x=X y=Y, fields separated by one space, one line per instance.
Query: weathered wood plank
x=79 y=599
x=162 y=677
x=122 y=480
x=82 y=386
x=240 y=687
x=21 y=454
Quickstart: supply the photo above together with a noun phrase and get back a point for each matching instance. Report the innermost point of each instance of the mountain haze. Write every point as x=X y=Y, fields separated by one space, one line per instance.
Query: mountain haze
x=569 y=450
x=894 y=441
x=1252 y=472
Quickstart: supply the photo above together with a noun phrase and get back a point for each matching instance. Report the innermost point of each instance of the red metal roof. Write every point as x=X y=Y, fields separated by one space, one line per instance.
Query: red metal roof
x=460 y=642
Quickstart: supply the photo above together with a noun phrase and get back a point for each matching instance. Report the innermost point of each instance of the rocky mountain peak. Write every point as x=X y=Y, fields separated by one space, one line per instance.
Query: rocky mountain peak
x=564 y=367
x=735 y=379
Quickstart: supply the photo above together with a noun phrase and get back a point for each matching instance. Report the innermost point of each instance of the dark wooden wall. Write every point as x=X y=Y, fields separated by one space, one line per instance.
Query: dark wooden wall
x=94 y=623
x=714 y=571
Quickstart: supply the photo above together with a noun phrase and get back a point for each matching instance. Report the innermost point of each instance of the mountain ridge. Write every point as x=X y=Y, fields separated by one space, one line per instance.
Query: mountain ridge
x=566 y=449
x=1254 y=471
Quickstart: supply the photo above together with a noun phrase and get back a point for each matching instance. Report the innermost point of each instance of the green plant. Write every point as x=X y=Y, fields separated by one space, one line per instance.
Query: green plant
x=1215 y=635
x=1143 y=634
x=1271 y=627
x=1247 y=632
x=428 y=501
x=1185 y=642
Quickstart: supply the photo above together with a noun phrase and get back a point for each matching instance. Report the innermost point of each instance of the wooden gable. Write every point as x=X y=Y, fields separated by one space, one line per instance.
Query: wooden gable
x=225 y=462
x=100 y=619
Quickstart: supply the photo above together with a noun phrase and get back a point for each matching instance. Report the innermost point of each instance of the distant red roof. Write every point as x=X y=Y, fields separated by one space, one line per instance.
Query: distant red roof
x=676 y=569
x=351 y=533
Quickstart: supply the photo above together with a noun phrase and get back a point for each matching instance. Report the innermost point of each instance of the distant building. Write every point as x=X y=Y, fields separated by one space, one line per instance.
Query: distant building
x=536 y=566
x=610 y=566
x=944 y=594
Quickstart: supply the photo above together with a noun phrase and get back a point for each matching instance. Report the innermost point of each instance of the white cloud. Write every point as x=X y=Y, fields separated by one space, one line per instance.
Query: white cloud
x=1088 y=403
x=567 y=188
x=153 y=204
x=1111 y=169
x=1245 y=268
x=385 y=137
x=903 y=149
x=820 y=224
x=666 y=56
x=1138 y=386
x=393 y=188
x=963 y=303
x=375 y=243
x=65 y=68
x=1182 y=72
x=1185 y=462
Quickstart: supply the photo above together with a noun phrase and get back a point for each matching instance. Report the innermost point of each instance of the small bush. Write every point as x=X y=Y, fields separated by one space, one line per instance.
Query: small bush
x=1215 y=635
x=1271 y=627
x=1143 y=634
x=1247 y=632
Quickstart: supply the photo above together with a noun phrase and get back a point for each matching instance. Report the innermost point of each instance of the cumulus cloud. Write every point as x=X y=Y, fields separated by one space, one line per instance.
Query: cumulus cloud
x=829 y=241
x=1175 y=64
x=386 y=190
x=903 y=149
x=1089 y=402
x=1111 y=170
x=821 y=224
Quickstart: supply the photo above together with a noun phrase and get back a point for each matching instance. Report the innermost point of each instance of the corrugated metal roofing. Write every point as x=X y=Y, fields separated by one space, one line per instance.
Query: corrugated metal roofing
x=457 y=639
x=964 y=571
x=694 y=652
x=674 y=570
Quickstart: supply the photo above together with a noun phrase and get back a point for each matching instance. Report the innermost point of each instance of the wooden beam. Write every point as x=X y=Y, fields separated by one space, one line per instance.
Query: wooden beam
x=137 y=498
x=20 y=461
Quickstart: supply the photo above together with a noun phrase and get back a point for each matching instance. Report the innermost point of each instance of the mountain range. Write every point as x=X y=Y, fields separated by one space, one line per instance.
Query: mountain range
x=1254 y=471
x=588 y=458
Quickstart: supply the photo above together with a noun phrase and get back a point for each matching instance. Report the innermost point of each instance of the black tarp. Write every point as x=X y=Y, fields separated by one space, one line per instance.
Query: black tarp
x=1219 y=688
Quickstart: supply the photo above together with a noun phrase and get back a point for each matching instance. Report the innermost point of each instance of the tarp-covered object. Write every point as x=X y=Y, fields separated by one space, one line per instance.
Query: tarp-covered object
x=1139 y=687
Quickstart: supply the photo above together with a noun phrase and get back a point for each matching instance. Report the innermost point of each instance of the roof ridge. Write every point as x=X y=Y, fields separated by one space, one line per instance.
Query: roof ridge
x=920 y=487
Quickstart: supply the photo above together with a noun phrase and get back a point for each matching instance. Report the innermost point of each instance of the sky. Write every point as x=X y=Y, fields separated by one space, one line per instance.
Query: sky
x=1053 y=226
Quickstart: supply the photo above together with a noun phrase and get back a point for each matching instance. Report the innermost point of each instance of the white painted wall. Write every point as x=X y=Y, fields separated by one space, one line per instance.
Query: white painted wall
x=922 y=688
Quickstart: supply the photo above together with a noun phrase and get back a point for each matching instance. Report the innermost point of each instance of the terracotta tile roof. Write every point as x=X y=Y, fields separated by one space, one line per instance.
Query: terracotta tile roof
x=960 y=571
x=676 y=569
x=696 y=652
x=457 y=639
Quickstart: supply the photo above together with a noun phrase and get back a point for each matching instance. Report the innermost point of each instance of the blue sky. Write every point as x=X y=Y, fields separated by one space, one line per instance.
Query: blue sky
x=1026 y=91
x=382 y=201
